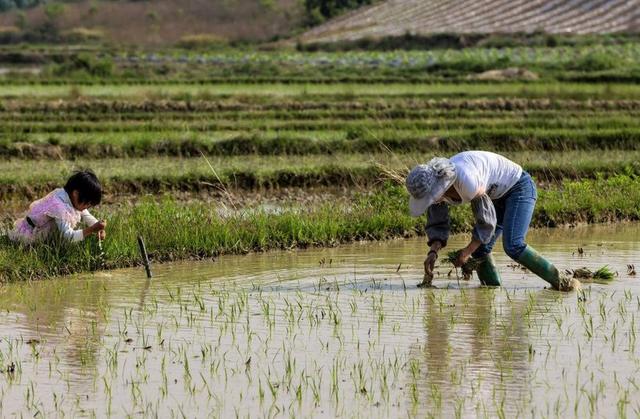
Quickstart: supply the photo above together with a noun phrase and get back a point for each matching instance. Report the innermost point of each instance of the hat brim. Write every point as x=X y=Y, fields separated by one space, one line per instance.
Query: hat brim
x=417 y=206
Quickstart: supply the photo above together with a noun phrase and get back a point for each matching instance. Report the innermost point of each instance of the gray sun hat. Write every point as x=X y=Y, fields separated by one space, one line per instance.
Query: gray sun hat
x=428 y=182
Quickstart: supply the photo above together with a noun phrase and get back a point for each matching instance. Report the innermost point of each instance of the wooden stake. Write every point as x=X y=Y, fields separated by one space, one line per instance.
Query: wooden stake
x=145 y=257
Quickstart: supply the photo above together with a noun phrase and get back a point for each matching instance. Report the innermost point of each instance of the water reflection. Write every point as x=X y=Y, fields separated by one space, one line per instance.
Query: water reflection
x=218 y=336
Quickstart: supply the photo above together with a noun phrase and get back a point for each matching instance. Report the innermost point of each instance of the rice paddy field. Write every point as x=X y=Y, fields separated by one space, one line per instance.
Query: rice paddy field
x=268 y=188
x=340 y=332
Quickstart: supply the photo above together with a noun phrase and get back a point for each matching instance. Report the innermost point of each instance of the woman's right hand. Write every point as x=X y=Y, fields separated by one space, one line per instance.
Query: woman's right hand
x=432 y=256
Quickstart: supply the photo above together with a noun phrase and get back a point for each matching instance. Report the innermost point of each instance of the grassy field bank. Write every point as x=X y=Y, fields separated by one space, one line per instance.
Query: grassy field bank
x=157 y=175
x=333 y=88
x=194 y=230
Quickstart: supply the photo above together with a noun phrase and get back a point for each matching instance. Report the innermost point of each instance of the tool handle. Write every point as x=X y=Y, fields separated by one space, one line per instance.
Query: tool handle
x=145 y=256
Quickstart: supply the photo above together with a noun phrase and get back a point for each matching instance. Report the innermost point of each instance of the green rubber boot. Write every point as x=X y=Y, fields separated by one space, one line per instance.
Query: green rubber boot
x=540 y=266
x=488 y=272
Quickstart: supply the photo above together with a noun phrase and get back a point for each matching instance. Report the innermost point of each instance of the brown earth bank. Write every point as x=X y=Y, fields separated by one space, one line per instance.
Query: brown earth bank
x=328 y=102
x=167 y=22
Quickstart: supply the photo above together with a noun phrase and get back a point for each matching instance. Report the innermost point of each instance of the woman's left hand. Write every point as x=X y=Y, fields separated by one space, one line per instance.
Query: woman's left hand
x=463 y=257
x=465 y=254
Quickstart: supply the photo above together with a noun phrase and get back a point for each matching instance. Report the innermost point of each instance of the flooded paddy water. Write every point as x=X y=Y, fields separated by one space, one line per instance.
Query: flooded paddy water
x=329 y=332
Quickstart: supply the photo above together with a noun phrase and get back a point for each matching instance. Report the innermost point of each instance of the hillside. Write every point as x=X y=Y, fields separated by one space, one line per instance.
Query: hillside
x=165 y=22
x=423 y=17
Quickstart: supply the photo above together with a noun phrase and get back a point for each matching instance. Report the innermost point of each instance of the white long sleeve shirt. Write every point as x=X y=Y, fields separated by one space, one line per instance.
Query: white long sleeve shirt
x=481 y=178
x=67 y=231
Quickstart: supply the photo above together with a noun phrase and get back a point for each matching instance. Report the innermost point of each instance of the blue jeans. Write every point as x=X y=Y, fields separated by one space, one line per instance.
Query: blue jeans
x=513 y=213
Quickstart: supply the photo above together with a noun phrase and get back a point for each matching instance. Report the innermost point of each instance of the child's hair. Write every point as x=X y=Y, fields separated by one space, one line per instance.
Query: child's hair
x=87 y=185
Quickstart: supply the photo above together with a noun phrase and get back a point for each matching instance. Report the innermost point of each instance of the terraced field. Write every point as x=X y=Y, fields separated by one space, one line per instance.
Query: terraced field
x=399 y=17
x=304 y=151
x=315 y=156
x=346 y=143
x=307 y=139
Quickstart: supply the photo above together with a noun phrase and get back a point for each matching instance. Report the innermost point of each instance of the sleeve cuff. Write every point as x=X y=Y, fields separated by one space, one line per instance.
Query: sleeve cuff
x=486 y=240
x=88 y=218
x=443 y=242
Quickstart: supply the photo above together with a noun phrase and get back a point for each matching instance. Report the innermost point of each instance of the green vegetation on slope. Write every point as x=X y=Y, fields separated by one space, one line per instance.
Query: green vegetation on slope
x=611 y=63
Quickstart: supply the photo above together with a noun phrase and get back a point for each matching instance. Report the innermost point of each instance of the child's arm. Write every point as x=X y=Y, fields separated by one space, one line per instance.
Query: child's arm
x=91 y=221
x=87 y=218
x=67 y=231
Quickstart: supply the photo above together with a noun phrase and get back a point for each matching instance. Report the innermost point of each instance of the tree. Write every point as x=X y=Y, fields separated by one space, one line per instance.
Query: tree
x=6 y=5
x=19 y=4
x=53 y=11
x=319 y=10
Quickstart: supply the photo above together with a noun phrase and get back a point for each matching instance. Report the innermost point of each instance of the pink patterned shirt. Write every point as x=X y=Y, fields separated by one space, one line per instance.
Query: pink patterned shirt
x=54 y=211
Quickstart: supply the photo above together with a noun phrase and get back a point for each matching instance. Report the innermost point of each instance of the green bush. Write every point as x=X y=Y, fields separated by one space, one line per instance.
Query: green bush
x=85 y=64
x=594 y=61
x=320 y=10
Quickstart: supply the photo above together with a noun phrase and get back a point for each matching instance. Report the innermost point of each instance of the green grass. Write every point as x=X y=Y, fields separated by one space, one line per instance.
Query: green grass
x=194 y=230
x=363 y=140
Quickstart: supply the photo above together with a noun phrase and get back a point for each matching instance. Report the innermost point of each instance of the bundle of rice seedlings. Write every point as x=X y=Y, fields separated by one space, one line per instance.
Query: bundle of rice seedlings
x=604 y=274
x=468 y=268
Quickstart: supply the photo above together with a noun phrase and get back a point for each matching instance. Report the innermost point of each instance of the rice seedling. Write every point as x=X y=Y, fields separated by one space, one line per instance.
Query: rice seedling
x=467 y=269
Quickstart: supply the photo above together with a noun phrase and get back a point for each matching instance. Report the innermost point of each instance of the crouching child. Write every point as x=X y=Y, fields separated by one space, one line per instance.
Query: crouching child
x=61 y=211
